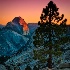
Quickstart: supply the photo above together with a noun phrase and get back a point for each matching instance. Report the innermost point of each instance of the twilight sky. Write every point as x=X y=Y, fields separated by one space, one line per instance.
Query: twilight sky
x=30 y=10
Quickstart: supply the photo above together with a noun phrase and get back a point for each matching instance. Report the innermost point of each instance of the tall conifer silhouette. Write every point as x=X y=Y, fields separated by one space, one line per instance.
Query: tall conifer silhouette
x=50 y=34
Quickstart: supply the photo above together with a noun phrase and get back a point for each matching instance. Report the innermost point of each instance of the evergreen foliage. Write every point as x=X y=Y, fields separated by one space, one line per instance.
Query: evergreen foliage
x=35 y=68
x=28 y=68
x=50 y=34
x=3 y=59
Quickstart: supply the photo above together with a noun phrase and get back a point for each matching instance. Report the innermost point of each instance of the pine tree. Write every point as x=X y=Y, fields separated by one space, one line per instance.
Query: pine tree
x=28 y=68
x=35 y=68
x=50 y=34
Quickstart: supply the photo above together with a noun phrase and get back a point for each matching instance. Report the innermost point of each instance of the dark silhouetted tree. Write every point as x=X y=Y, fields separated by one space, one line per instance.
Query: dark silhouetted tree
x=35 y=68
x=3 y=59
x=49 y=35
x=28 y=68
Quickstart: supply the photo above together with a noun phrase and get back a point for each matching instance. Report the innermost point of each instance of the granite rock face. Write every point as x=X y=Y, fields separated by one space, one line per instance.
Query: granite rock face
x=2 y=67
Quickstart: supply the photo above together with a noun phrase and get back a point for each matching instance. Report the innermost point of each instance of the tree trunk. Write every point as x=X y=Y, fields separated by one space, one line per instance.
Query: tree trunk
x=50 y=47
x=50 y=61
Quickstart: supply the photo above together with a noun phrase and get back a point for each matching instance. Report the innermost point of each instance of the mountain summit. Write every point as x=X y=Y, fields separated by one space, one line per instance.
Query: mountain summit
x=18 y=25
x=24 y=24
x=13 y=37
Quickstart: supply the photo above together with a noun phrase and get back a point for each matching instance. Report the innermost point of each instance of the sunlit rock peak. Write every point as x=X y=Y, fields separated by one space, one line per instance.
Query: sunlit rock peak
x=20 y=21
x=24 y=24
